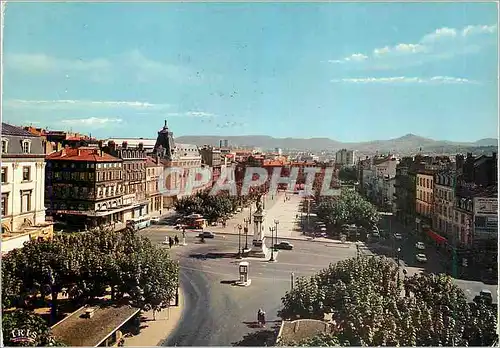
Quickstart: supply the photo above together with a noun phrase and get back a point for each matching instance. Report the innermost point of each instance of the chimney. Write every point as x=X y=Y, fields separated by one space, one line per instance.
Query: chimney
x=124 y=144
x=141 y=146
x=79 y=152
x=112 y=145
x=100 y=144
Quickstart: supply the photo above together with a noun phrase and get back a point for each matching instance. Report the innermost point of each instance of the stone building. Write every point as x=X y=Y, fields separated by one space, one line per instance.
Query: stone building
x=23 y=176
x=185 y=158
x=134 y=175
x=84 y=188
x=444 y=206
x=154 y=170
x=424 y=203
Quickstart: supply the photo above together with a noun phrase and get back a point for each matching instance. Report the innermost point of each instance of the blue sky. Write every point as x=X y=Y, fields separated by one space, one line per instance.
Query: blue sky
x=347 y=71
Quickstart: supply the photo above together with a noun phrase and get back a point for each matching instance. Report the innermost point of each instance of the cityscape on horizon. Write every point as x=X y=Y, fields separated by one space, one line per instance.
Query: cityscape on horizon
x=249 y=174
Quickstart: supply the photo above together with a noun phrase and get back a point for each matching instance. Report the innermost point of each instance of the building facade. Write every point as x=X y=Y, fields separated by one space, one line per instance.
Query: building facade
x=134 y=175
x=154 y=170
x=23 y=177
x=84 y=189
x=424 y=203
x=345 y=157
x=186 y=160
x=211 y=157
x=444 y=207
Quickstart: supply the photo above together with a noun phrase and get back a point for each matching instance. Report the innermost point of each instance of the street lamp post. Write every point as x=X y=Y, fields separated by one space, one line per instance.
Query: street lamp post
x=276 y=223
x=272 y=229
x=246 y=221
x=239 y=241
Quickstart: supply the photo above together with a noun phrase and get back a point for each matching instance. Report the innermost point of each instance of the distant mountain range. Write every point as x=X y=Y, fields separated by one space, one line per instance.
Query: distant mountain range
x=409 y=143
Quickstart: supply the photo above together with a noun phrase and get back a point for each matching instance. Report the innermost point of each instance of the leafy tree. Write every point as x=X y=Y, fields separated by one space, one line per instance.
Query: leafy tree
x=84 y=266
x=29 y=329
x=349 y=208
x=369 y=307
x=348 y=174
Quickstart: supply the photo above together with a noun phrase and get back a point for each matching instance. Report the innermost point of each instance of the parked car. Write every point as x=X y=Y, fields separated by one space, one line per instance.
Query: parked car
x=284 y=245
x=398 y=236
x=206 y=234
x=155 y=220
x=420 y=246
x=421 y=258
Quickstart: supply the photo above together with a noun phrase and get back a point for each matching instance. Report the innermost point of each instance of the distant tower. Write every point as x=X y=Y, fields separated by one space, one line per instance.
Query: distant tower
x=164 y=146
x=226 y=143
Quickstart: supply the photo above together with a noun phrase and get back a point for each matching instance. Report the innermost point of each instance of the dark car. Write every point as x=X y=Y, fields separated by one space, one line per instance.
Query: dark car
x=206 y=234
x=283 y=246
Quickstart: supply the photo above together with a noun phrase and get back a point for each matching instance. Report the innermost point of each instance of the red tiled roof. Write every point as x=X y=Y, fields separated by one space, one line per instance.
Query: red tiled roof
x=82 y=154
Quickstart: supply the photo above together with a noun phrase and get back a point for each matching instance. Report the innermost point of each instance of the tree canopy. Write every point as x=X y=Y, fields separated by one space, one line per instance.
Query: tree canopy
x=87 y=265
x=348 y=174
x=349 y=208
x=212 y=207
x=21 y=328
x=369 y=307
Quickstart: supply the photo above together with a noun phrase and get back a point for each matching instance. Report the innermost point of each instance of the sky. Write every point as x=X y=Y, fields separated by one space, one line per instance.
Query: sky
x=347 y=71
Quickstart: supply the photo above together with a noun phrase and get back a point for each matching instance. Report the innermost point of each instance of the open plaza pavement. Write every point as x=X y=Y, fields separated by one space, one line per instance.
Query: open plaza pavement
x=214 y=312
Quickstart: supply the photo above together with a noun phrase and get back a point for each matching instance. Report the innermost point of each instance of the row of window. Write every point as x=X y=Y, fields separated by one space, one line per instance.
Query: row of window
x=134 y=166
x=134 y=176
x=25 y=146
x=25 y=196
x=132 y=154
x=82 y=165
x=73 y=176
x=26 y=174
x=444 y=194
x=424 y=209
x=155 y=204
x=425 y=196
x=424 y=182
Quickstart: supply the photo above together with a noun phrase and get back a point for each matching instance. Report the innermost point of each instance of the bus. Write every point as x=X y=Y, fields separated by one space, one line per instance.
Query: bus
x=195 y=221
x=139 y=223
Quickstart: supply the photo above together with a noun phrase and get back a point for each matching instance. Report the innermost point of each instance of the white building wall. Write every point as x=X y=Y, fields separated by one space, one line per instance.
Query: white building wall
x=13 y=187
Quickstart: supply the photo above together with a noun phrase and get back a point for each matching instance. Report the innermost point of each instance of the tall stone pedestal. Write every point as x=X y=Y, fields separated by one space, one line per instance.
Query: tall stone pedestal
x=259 y=248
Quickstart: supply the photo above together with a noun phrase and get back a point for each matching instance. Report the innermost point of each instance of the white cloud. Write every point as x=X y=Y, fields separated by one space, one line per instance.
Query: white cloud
x=92 y=121
x=200 y=114
x=405 y=80
x=356 y=57
x=442 y=43
x=440 y=34
x=64 y=104
x=41 y=63
x=478 y=29
x=133 y=63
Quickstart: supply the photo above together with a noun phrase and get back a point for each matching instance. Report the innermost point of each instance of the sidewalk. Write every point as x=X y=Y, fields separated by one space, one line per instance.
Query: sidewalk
x=154 y=332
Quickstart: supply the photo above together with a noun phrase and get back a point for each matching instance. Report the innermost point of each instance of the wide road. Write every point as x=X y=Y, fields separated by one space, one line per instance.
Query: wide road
x=217 y=313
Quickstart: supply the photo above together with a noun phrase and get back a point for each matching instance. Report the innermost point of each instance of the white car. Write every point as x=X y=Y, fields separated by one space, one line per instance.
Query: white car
x=155 y=220
x=421 y=258
x=398 y=236
x=420 y=246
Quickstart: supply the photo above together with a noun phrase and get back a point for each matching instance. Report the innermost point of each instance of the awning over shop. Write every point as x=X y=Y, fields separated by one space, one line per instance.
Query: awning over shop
x=436 y=237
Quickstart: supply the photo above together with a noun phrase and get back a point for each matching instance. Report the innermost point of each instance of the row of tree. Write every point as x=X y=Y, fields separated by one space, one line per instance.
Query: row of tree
x=349 y=208
x=370 y=308
x=85 y=266
x=212 y=207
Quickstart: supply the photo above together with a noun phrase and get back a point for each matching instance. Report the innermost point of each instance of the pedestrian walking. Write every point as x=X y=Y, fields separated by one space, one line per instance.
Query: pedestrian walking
x=176 y=240
x=170 y=242
x=259 y=317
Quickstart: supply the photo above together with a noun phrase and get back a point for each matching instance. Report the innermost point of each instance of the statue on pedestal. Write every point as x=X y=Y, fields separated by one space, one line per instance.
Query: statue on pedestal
x=259 y=203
